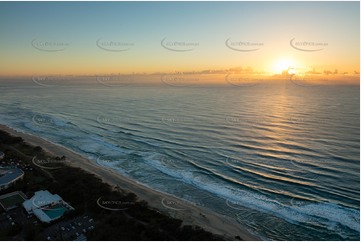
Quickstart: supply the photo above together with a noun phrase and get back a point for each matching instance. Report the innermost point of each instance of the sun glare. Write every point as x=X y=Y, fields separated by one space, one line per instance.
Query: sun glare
x=282 y=64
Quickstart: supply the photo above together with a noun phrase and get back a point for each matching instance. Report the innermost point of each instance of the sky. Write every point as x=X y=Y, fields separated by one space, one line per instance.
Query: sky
x=88 y=38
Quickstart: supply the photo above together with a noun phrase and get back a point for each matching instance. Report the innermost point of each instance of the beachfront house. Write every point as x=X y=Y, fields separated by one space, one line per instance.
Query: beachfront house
x=46 y=207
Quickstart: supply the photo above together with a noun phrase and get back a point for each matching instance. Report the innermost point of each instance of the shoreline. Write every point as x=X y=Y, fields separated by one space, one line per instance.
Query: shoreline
x=191 y=214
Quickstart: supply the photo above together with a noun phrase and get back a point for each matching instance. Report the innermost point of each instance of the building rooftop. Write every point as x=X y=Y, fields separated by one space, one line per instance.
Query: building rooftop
x=8 y=175
x=46 y=206
x=41 y=199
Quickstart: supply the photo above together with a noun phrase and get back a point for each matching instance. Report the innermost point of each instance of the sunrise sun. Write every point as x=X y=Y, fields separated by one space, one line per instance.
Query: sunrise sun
x=282 y=64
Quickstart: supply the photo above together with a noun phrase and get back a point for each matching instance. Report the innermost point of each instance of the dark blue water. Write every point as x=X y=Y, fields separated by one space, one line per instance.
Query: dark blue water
x=282 y=159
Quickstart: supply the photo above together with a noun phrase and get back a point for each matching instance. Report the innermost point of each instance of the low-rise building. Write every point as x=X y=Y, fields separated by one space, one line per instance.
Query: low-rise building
x=46 y=206
x=9 y=176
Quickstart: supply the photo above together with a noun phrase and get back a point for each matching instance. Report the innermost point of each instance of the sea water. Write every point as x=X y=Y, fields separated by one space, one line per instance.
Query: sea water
x=281 y=159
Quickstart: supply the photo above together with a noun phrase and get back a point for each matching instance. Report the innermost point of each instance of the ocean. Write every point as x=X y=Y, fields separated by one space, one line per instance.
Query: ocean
x=282 y=159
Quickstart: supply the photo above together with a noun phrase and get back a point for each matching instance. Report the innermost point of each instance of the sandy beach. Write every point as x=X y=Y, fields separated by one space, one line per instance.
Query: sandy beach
x=190 y=213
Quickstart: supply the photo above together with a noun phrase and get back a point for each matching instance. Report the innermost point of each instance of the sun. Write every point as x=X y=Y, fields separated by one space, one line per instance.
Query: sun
x=282 y=65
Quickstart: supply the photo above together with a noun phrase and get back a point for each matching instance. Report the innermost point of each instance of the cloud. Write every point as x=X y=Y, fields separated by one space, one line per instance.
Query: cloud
x=328 y=72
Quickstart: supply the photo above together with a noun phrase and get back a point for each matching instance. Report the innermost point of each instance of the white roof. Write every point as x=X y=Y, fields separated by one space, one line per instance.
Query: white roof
x=44 y=198
x=28 y=205
x=9 y=175
x=39 y=200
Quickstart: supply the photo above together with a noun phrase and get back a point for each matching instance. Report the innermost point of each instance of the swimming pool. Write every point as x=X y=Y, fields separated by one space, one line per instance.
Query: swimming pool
x=55 y=211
